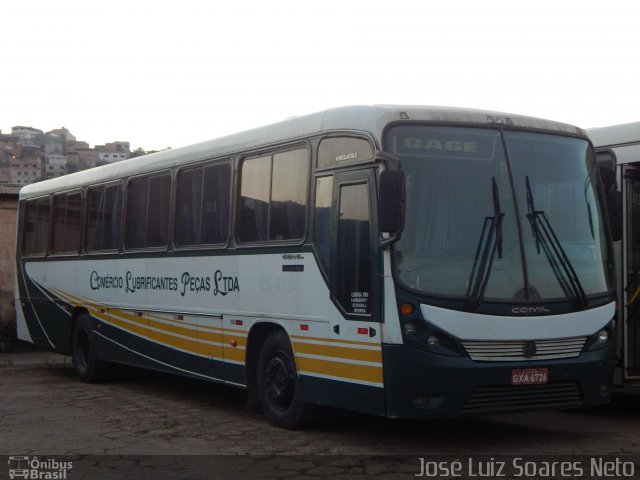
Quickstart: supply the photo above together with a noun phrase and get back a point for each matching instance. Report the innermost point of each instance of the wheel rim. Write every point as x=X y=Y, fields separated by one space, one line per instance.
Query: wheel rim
x=280 y=381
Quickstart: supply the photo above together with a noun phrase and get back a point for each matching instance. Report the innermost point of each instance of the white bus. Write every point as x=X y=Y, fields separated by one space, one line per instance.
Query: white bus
x=400 y=261
x=618 y=154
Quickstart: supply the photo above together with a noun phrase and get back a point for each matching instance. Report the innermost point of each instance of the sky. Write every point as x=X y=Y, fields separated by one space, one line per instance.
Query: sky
x=171 y=73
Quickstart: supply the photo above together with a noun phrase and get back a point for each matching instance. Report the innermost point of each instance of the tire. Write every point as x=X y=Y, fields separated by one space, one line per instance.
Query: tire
x=279 y=384
x=85 y=363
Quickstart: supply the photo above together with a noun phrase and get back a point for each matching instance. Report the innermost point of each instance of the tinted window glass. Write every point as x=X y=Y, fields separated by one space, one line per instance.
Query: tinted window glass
x=36 y=227
x=137 y=191
x=73 y=223
x=288 y=195
x=354 y=249
x=158 y=211
x=273 y=197
x=254 y=199
x=104 y=218
x=148 y=206
x=112 y=218
x=322 y=219
x=188 y=207
x=67 y=215
x=95 y=199
x=59 y=212
x=202 y=210
x=215 y=204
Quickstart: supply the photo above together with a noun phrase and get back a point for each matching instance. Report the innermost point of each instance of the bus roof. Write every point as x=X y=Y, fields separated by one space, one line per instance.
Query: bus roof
x=615 y=135
x=372 y=119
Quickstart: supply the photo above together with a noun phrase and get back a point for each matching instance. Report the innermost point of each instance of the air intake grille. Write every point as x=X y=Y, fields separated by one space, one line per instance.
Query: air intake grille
x=508 y=398
x=491 y=351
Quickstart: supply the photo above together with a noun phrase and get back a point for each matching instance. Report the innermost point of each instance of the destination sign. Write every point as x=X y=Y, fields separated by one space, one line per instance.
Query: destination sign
x=450 y=143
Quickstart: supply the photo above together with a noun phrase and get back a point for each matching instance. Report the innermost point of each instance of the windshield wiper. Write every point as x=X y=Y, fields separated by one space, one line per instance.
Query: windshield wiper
x=546 y=239
x=489 y=244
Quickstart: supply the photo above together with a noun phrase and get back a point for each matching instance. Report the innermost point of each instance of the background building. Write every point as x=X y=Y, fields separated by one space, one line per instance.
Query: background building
x=8 y=220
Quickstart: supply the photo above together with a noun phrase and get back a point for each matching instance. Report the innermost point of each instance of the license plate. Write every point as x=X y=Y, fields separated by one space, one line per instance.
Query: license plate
x=529 y=376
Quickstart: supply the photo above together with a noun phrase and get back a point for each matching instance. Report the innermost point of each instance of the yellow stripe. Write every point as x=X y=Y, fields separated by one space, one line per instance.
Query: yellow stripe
x=339 y=352
x=228 y=337
x=181 y=323
x=236 y=354
x=329 y=340
x=342 y=370
x=192 y=346
x=178 y=330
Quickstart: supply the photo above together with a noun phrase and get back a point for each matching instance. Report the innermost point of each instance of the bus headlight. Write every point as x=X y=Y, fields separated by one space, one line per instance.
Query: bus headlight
x=603 y=336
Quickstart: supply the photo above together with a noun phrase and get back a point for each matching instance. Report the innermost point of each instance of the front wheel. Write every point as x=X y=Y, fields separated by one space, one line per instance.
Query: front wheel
x=85 y=362
x=279 y=384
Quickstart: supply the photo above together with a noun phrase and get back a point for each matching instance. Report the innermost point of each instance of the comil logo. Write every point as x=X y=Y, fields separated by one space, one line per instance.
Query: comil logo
x=38 y=469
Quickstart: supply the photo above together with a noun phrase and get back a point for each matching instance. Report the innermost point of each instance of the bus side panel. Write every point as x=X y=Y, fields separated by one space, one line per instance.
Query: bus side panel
x=47 y=321
x=350 y=396
x=21 y=322
x=120 y=346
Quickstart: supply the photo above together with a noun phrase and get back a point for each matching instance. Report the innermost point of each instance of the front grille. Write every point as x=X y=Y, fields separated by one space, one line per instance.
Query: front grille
x=496 y=351
x=509 y=398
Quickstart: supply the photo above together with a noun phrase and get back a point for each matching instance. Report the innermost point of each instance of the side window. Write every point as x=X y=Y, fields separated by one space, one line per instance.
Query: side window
x=188 y=203
x=112 y=218
x=158 y=213
x=216 y=206
x=255 y=190
x=148 y=206
x=67 y=223
x=354 y=249
x=202 y=206
x=273 y=197
x=104 y=218
x=137 y=192
x=36 y=227
x=322 y=219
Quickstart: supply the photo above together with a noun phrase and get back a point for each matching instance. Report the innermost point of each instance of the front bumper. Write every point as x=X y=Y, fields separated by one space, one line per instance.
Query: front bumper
x=421 y=384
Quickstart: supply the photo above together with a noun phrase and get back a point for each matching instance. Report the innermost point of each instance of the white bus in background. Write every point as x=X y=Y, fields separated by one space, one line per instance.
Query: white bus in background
x=400 y=261
x=618 y=153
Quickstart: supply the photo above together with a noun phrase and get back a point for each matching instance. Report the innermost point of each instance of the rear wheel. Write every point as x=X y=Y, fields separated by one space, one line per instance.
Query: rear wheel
x=85 y=363
x=279 y=384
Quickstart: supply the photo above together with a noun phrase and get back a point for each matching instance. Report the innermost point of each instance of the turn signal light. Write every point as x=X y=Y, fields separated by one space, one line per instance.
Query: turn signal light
x=407 y=309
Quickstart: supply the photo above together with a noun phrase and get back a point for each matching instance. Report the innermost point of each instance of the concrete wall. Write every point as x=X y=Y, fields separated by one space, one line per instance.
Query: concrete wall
x=8 y=218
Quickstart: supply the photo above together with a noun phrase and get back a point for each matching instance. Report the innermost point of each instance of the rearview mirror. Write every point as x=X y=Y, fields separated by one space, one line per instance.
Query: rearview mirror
x=392 y=201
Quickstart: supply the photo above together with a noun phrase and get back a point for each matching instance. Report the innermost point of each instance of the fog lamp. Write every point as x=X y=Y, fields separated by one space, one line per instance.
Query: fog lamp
x=603 y=336
x=433 y=343
x=410 y=329
x=421 y=400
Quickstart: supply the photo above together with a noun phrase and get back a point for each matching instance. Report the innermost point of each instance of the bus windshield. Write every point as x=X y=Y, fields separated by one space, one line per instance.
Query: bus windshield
x=500 y=216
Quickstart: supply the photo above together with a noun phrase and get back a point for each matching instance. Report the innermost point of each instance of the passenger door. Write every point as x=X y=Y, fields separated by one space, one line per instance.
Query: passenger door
x=631 y=262
x=355 y=270
x=355 y=286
